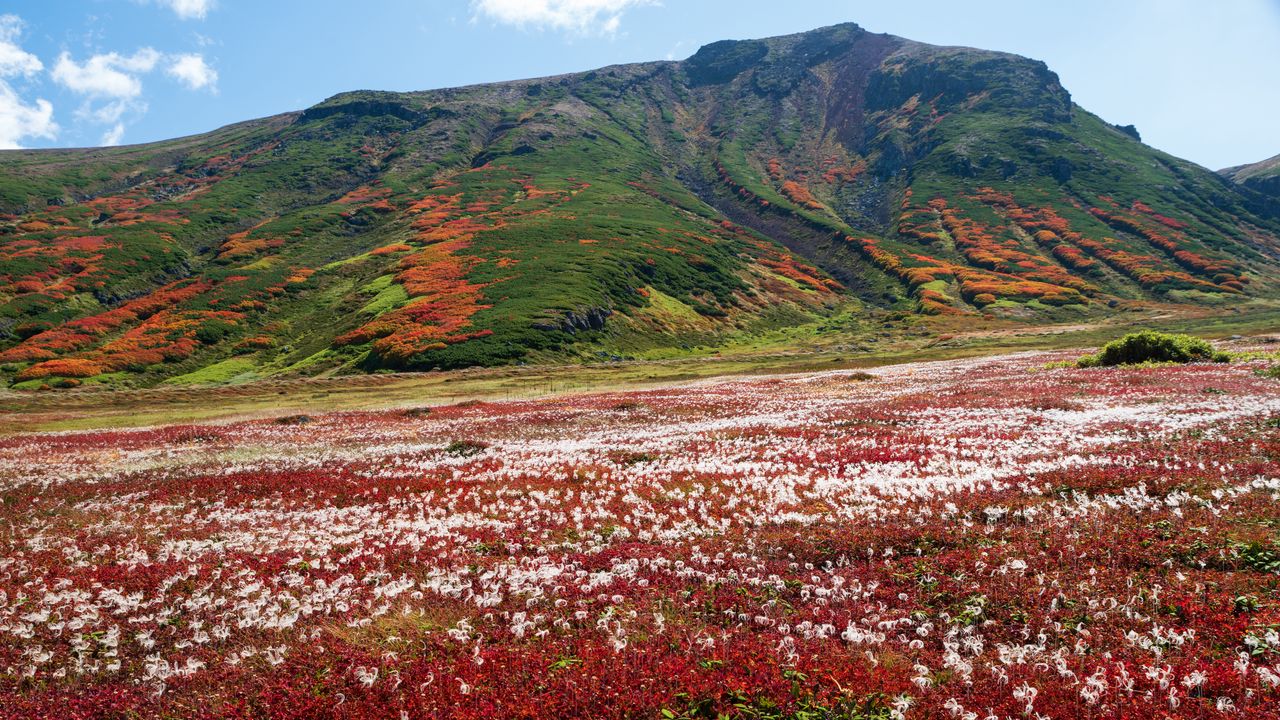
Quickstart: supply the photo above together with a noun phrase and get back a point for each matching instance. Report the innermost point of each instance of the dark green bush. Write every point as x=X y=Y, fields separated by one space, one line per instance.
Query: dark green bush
x=1149 y=346
x=466 y=448
x=213 y=331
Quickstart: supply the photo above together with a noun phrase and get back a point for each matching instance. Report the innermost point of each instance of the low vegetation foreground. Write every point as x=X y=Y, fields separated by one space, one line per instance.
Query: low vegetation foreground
x=1004 y=537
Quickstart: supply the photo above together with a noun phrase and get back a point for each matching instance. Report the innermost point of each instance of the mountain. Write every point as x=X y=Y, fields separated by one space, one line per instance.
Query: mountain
x=810 y=180
x=1263 y=177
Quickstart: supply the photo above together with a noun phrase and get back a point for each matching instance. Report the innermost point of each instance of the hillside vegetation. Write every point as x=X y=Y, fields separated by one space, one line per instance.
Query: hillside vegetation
x=817 y=180
x=1262 y=177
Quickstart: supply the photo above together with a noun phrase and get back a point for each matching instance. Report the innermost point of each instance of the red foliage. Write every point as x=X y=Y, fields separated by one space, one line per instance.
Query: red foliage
x=390 y=249
x=800 y=195
x=1162 y=219
x=845 y=174
x=64 y=367
x=299 y=276
x=257 y=342
x=1005 y=254
x=1225 y=275
x=787 y=265
x=923 y=223
x=83 y=332
x=239 y=245
x=775 y=169
x=443 y=301
x=167 y=336
x=917 y=270
x=1148 y=270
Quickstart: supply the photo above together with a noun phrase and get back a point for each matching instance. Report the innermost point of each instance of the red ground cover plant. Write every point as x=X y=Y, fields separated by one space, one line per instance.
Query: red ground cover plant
x=800 y=195
x=442 y=299
x=372 y=197
x=167 y=336
x=967 y=539
x=835 y=173
x=1052 y=231
x=791 y=267
x=1169 y=237
x=85 y=332
x=917 y=270
x=994 y=249
x=100 y=246
x=240 y=245
x=71 y=260
x=775 y=170
x=923 y=223
x=436 y=277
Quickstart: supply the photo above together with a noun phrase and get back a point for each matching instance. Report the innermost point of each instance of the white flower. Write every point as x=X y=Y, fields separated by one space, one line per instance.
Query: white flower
x=1026 y=693
x=366 y=676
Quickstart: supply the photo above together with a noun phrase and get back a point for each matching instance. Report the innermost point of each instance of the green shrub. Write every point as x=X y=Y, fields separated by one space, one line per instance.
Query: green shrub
x=213 y=331
x=466 y=448
x=1149 y=346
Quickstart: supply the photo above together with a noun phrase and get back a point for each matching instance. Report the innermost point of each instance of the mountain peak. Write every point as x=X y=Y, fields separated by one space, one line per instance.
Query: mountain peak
x=780 y=61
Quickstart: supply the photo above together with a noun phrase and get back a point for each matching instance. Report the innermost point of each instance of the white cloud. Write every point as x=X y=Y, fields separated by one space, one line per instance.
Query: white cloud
x=13 y=59
x=191 y=70
x=112 y=84
x=18 y=119
x=113 y=136
x=189 y=9
x=577 y=16
x=108 y=75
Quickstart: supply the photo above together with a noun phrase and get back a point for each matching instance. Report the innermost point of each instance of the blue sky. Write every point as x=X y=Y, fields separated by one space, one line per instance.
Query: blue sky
x=1199 y=79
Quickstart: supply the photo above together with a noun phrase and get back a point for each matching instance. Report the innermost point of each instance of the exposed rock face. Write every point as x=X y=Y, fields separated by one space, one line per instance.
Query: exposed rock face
x=575 y=320
x=1269 y=186
x=360 y=108
x=1131 y=131
x=722 y=61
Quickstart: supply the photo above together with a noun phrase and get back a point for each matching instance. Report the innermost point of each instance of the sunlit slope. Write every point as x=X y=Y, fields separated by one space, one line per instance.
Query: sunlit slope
x=758 y=185
x=1261 y=177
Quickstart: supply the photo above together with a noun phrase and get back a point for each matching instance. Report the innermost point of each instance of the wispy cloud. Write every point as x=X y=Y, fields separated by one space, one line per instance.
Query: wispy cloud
x=113 y=136
x=189 y=9
x=20 y=119
x=104 y=115
x=585 y=17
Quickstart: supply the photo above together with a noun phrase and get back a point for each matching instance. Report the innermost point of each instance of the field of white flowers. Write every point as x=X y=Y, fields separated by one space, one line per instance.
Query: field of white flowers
x=967 y=539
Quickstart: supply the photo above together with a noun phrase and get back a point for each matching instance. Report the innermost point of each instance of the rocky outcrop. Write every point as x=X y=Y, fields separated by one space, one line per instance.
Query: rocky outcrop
x=574 y=321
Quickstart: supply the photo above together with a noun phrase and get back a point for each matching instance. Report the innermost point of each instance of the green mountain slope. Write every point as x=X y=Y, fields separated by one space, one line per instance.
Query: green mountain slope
x=1264 y=177
x=757 y=185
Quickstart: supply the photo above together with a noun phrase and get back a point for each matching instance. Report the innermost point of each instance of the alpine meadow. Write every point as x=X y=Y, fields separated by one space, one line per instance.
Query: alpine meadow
x=825 y=376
